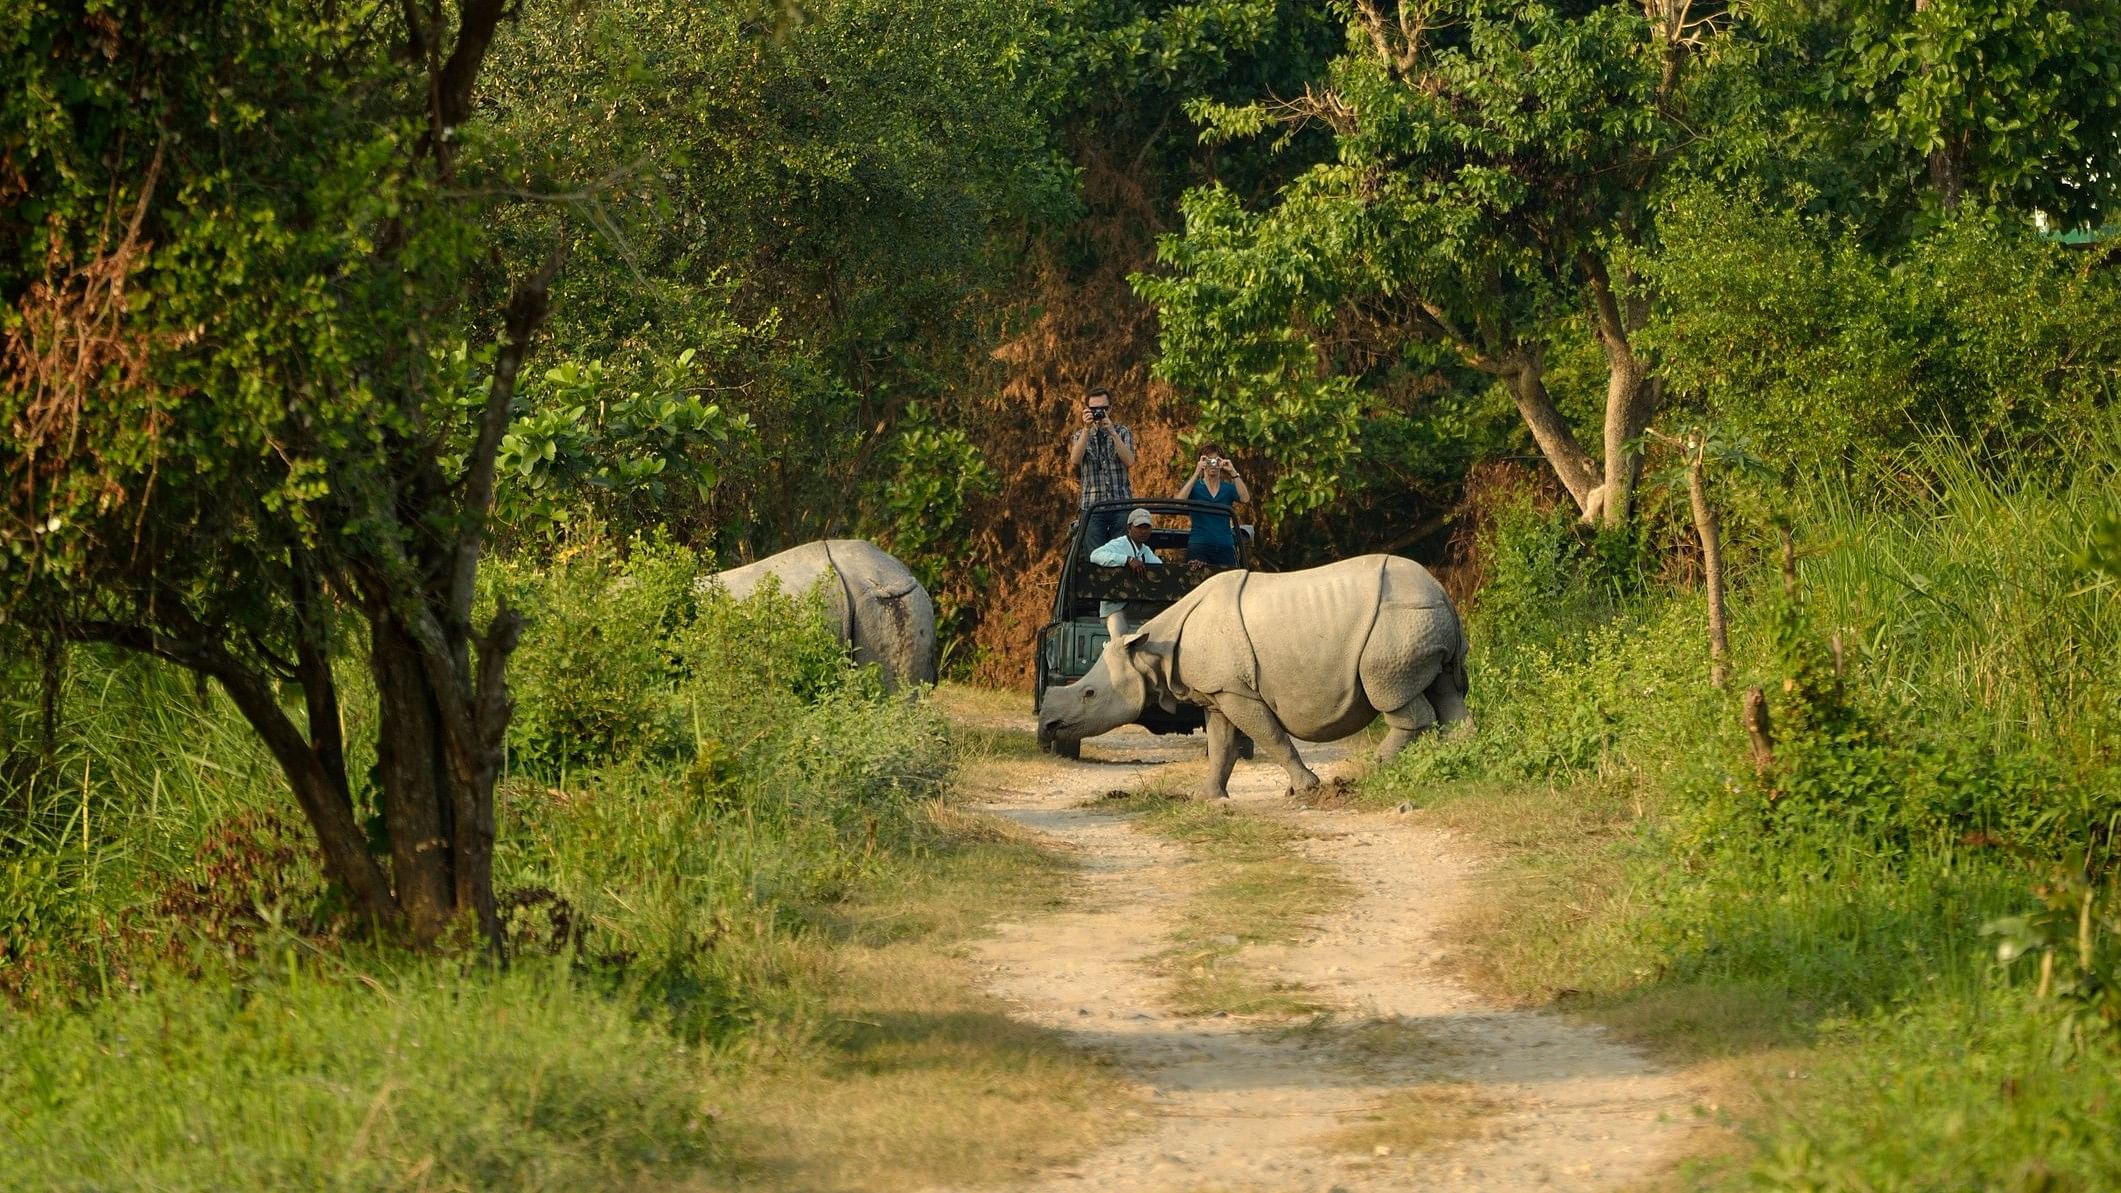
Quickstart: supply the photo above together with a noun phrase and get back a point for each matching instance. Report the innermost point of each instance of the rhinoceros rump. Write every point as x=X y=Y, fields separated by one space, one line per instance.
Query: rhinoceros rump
x=877 y=606
x=1314 y=654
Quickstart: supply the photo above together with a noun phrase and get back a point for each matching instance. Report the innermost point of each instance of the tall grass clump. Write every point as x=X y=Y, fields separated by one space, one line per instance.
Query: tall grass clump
x=1579 y=672
x=1942 y=681
x=147 y=793
x=693 y=783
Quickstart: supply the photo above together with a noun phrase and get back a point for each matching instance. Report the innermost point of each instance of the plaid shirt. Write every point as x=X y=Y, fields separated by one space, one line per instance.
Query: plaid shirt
x=1104 y=477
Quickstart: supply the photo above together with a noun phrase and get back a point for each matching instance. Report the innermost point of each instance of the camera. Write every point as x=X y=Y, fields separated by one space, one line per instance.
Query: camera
x=1097 y=414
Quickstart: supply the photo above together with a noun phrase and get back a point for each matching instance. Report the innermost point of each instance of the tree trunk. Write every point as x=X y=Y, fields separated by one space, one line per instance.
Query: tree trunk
x=1574 y=466
x=1948 y=173
x=1629 y=398
x=1760 y=735
x=1712 y=568
x=418 y=805
x=321 y=794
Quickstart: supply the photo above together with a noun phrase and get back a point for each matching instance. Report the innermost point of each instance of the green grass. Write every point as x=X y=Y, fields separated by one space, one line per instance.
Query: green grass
x=307 y=1076
x=1810 y=946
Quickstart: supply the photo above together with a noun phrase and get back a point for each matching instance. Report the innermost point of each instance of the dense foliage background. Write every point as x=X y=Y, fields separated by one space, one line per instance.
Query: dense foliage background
x=346 y=345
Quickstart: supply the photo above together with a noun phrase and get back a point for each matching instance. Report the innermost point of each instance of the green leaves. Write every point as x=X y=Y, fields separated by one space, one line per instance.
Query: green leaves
x=2075 y=931
x=1472 y=170
x=589 y=438
x=1793 y=332
x=2010 y=102
x=824 y=213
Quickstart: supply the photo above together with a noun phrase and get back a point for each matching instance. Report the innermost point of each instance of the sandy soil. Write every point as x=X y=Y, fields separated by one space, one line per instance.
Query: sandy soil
x=1231 y=1104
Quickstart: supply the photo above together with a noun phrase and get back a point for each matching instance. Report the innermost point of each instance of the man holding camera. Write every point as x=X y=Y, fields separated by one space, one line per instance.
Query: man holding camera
x=1101 y=453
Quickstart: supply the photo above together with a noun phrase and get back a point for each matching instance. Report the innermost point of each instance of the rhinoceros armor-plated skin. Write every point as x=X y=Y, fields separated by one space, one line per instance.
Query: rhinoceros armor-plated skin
x=877 y=605
x=1314 y=654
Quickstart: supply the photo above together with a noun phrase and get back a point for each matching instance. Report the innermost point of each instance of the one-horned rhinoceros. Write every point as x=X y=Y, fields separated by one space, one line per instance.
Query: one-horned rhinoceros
x=1314 y=654
x=876 y=605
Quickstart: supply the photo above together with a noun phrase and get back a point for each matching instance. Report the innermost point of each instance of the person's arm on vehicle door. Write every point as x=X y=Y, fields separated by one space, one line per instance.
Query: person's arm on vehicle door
x=1112 y=554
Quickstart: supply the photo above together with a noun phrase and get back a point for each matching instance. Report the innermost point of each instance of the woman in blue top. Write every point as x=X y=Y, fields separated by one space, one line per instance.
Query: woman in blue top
x=1216 y=482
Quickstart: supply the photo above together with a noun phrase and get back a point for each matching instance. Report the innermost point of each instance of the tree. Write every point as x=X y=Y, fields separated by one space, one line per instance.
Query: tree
x=242 y=243
x=1494 y=183
x=2009 y=102
x=818 y=211
x=1830 y=354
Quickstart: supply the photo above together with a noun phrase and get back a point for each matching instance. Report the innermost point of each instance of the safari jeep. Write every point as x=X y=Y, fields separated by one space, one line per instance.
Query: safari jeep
x=1069 y=645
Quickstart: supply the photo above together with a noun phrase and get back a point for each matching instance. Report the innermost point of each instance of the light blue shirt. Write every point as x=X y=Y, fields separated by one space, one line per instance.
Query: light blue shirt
x=1115 y=554
x=1120 y=550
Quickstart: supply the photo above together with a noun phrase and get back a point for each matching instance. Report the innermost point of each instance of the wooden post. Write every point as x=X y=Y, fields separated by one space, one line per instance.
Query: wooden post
x=1759 y=733
x=1711 y=562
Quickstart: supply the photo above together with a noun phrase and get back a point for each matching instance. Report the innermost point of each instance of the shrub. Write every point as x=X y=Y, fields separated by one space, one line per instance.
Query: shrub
x=592 y=677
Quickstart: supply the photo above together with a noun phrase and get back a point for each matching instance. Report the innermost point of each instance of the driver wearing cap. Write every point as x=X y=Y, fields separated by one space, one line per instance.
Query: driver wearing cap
x=1130 y=550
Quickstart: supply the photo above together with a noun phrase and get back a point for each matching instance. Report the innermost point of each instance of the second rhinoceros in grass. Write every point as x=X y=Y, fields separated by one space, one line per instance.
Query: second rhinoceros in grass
x=875 y=603
x=1314 y=654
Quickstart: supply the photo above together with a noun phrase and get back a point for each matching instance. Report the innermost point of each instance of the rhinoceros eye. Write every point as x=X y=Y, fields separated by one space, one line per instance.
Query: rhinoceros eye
x=1089 y=693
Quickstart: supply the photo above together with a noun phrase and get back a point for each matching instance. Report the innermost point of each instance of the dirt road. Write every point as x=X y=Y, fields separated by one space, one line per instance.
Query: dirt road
x=1480 y=1097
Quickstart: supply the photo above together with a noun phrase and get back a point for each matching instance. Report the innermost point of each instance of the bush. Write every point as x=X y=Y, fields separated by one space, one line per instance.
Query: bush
x=592 y=677
x=184 y=1014
x=1964 y=728
x=1573 y=676
x=629 y=656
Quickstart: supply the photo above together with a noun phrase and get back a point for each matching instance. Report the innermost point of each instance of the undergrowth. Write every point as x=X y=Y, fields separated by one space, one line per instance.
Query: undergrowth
x=1941 y=674
x=712 y=827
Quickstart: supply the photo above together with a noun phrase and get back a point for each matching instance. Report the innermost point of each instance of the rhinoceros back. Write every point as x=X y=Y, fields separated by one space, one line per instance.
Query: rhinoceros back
x=873 y=601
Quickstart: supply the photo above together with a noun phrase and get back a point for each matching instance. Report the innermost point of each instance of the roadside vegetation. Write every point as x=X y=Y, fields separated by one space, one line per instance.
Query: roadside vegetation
x=1894 y=940
x=731 y=876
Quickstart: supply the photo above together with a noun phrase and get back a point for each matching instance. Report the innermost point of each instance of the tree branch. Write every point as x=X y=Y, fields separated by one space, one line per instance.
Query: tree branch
x=1557 y=442
x=346 y=857
x=526 y=312
x=477 y=20
x=1612 y=328
x=320 y=690
x=1374 y=24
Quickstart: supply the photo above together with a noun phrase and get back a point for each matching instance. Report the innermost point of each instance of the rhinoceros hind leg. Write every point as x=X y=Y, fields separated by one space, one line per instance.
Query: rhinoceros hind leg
x=1222 y=755
x=1448 y=701
x=1255 y=720
x=1405 y=723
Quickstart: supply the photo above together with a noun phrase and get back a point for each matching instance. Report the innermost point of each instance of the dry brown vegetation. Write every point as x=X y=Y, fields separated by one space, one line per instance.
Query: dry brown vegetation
x=1085 y=327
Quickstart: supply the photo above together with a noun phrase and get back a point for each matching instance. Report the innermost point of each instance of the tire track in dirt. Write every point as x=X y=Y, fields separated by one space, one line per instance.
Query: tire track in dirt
x=1231 y=1104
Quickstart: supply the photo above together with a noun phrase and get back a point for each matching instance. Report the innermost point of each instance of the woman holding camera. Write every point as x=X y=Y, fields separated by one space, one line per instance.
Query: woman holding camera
x=1214 y=482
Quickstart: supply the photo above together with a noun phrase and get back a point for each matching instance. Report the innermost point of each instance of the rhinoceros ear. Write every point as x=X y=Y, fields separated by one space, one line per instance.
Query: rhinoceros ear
x=1153 y=660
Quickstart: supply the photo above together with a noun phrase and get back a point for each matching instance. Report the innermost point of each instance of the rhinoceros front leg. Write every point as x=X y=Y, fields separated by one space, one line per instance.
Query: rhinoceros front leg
x=1222 y=755
x=1255 y=720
